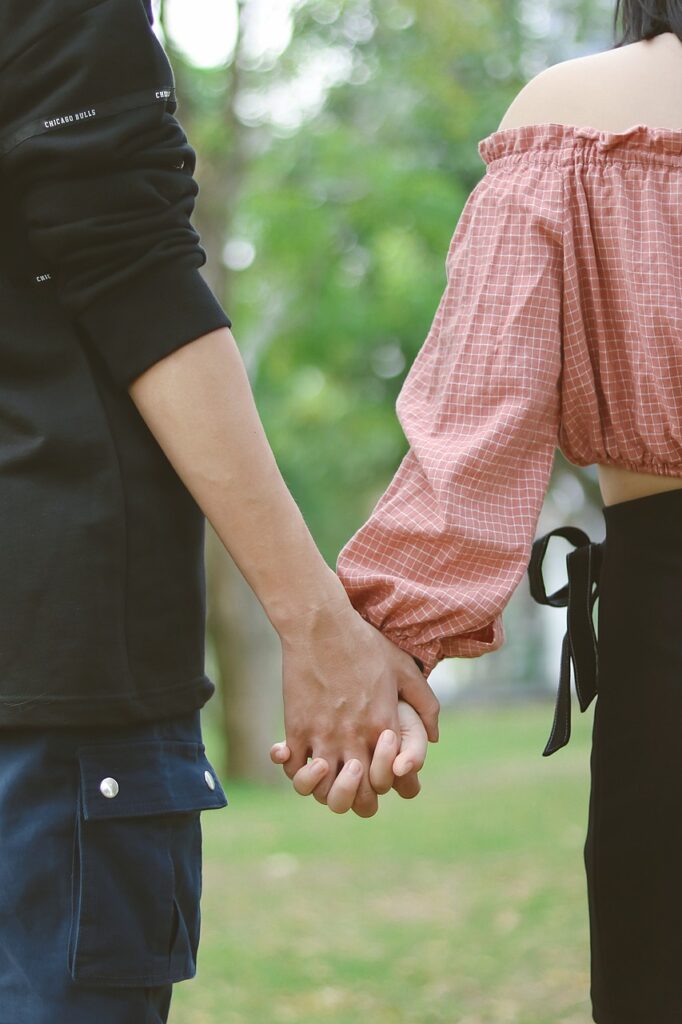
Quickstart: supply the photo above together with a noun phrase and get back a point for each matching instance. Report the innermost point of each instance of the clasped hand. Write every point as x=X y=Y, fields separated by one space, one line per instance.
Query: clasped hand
x=359 y=705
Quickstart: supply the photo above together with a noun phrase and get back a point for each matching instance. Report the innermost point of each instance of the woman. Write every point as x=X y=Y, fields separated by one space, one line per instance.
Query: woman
x=560 y=326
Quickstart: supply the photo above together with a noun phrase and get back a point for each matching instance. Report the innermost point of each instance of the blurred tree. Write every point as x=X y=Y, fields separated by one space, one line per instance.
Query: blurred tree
x=244 y=646
x=332 y=175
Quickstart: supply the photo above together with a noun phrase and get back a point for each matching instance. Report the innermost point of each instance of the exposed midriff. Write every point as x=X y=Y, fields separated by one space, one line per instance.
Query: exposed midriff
x=619 y=484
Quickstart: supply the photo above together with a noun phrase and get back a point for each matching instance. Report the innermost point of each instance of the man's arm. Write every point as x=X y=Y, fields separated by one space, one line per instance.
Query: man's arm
x=199 y=405
x=100 y=173
x=341 y=676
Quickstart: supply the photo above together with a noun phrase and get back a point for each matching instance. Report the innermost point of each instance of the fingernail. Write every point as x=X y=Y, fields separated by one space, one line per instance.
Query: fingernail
x=355 y=767
x=406 y=767
x=386 y=735
x=318 y=763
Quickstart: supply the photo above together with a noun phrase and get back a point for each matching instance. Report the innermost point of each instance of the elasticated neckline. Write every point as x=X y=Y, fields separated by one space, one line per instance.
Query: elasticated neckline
x=551 y=135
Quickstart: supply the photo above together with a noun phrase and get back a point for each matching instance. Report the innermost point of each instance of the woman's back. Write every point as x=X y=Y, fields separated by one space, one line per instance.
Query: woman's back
x=639 y=83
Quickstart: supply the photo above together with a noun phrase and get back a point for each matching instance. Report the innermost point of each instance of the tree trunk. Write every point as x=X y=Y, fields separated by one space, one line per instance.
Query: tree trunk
x=247 y=654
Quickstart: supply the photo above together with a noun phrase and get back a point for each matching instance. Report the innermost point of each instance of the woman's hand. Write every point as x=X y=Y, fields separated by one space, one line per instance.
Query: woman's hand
x=395 y=764
x=341 y=682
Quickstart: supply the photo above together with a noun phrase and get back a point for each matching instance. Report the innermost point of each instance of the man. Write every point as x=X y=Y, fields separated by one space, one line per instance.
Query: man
x=127 y=418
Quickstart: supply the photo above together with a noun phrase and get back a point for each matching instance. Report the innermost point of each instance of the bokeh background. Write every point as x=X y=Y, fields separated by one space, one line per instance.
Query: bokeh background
x=336 y=145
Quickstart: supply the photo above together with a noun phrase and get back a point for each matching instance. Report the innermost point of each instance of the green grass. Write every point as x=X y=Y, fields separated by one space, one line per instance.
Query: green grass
x=466 y=905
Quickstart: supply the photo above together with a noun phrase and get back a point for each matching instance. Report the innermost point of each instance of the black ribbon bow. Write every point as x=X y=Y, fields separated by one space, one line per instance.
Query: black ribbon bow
x=580 y=641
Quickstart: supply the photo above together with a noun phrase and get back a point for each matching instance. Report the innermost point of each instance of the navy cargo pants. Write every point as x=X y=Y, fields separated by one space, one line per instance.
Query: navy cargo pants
x=100 y=869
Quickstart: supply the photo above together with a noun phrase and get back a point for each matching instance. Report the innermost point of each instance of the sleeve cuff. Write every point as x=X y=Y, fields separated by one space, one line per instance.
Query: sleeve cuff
x=134 y=326
x=428 y=653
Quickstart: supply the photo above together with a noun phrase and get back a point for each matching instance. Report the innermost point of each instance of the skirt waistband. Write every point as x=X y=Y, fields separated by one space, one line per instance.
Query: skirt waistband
x=662 y=507
x=647 y=527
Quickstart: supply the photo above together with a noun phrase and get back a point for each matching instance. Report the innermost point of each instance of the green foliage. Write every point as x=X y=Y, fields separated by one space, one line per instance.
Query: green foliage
x=351 y=209
x=464 y=904
x=351 y=217
x=350 y=202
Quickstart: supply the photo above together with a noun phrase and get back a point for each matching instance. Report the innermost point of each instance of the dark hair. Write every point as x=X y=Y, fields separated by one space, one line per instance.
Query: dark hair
x=644 y=19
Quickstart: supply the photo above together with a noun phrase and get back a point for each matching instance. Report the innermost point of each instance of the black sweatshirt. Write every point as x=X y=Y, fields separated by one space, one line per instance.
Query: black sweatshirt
x=102 y=588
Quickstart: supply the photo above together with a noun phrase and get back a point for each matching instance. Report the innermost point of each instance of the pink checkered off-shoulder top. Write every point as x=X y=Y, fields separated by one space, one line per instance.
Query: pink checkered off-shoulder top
x=560 y=326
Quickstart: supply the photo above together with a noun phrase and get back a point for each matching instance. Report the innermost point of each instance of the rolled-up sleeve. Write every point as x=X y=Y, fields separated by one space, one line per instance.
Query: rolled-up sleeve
x=102 y=173
x=450 y=539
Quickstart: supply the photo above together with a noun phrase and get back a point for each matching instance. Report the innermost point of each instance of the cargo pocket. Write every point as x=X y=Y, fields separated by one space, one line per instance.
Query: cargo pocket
x=136 y=877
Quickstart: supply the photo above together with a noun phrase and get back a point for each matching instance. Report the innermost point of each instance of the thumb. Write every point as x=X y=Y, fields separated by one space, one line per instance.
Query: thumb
x=280 y=752
x=414 y=689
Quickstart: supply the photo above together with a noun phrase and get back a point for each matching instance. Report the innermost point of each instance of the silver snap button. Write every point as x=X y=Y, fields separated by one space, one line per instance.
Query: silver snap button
x=180 y=165
x=210 y=781
x=108 y=787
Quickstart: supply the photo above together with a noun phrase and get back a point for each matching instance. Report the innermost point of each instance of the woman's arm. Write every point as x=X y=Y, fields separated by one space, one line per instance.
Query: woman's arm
x=342 y=678
x=449 y=540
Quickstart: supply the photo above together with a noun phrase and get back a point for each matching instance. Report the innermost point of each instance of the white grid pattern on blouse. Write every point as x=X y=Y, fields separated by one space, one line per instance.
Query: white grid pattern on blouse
x=560 y=326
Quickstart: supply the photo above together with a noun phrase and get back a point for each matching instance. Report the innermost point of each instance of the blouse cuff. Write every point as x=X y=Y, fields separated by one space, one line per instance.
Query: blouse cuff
x=466 y=645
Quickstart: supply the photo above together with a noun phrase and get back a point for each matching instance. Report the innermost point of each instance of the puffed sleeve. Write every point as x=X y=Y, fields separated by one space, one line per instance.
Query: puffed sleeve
x=101 y=174
x=450 y=539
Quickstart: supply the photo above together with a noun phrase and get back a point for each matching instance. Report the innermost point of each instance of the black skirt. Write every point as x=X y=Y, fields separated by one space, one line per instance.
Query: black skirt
x=633 y=665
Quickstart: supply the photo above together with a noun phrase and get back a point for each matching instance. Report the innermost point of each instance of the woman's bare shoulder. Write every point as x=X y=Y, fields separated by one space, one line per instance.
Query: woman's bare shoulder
x=595 y=88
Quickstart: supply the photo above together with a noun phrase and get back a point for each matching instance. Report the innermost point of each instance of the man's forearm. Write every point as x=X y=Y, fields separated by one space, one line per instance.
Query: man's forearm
x=199 y=405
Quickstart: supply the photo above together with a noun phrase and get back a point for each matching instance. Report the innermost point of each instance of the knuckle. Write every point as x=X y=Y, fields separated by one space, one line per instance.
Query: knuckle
x=329 y=733
x=365 y=810
x=323 y=785
x=433 y=705
x=365 y=803
x=381 y=787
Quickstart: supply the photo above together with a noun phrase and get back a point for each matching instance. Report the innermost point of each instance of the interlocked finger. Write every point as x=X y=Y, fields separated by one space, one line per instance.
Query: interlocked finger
x=309 y=776
x=381 y=769
x=344 y=789
x=366 y=802
x=407 y=786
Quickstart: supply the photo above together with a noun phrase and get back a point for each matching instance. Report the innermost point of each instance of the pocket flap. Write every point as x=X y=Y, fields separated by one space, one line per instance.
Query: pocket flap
x=121 y=780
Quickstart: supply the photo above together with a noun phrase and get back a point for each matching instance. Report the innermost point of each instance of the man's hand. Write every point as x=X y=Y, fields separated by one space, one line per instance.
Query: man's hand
x=395 y=764
x=342 y=680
